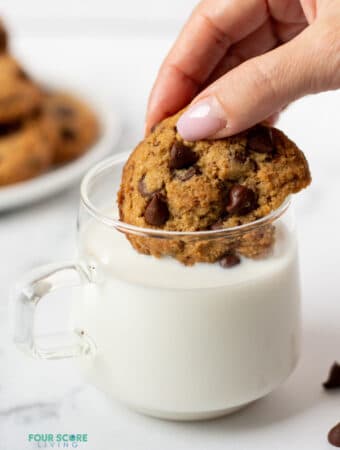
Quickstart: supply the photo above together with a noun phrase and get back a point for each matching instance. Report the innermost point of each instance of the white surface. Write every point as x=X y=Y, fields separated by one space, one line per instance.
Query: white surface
x=49 y=397
x=58 y=179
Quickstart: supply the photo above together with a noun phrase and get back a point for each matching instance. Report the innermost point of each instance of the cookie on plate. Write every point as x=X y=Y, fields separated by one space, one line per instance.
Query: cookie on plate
x=26 y=149
x=77 y=126
x=19 y=95
x=175 y=185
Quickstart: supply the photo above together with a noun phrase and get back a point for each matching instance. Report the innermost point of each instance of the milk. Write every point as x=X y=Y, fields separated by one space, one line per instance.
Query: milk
x=187 y=342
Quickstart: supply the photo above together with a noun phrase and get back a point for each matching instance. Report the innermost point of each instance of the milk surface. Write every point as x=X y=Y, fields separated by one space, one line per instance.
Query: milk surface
x=179 y=341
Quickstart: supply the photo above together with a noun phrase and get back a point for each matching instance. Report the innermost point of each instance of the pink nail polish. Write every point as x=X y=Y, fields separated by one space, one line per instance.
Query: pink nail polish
x=201 y=120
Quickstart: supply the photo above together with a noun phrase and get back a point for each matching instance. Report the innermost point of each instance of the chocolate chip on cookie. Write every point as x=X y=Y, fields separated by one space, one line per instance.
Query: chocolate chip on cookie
x=229 y=260
x=181 y=156
x=260 y=139
x=67 y=133
x=8 y=128
x=241 y=200
x=156 y=212
x=333 y=381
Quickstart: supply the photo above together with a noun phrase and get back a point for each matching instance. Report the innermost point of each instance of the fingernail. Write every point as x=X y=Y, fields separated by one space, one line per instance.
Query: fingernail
x=202 y=120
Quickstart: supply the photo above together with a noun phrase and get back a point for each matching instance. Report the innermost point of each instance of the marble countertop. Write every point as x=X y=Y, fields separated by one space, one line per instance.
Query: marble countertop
x=49 y=397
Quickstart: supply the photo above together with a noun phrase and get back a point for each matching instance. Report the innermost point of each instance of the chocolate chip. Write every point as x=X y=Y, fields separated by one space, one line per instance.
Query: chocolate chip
x=334 y=436
x=156 y=212
x=67 y=133
x=3 y=40
x=241 y=200
x=185 y=175
x=181 y=156
x=260 y=139
x=229 y=260
x=8 y=128
x=333 y=381
x=63 y=111
x=143 y=190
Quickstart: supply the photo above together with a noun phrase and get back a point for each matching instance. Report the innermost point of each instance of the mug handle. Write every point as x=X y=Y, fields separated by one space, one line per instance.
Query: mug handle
x=27 y=296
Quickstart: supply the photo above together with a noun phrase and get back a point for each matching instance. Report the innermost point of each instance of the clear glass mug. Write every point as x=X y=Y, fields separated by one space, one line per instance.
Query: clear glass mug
x=166 y=339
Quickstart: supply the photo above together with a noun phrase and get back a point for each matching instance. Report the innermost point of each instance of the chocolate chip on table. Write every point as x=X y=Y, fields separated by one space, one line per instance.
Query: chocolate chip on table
x=181 y=156
x=260 y=139
x=333 y=381
x=241 y=200
x=334 y=436
x=229 y=260
x=156 y=212
x=67 y=133
x=143 y=190
x=185 y=175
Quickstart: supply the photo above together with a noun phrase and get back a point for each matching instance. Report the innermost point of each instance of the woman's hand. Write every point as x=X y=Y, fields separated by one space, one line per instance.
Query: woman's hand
x=241 y=61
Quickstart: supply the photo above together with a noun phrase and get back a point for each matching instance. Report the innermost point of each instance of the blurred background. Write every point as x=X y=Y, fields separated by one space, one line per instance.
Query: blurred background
x=113 y=49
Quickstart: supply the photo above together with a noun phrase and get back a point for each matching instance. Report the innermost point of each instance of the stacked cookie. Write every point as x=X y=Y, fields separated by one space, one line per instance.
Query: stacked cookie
x=38 y=128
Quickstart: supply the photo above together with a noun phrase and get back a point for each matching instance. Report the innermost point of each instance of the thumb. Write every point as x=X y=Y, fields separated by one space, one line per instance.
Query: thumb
x=262 y=86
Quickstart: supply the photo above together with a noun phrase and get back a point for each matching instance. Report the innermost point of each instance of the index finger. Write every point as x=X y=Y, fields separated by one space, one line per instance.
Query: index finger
x=212 y=28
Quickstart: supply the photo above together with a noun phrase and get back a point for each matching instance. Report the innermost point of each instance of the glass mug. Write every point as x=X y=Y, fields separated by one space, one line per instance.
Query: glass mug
x=169 y=340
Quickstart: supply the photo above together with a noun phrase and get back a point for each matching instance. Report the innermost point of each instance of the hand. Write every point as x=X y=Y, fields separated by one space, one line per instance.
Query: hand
x=242 y=61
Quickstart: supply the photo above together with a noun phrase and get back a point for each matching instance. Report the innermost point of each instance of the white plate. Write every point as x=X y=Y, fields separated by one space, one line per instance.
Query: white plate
x=56 y=180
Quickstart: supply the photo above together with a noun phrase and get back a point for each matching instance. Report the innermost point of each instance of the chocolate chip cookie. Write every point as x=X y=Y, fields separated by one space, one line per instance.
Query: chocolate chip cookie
x=19 y=95
x=176 y=185
x=26 y=149
x=77 y=126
